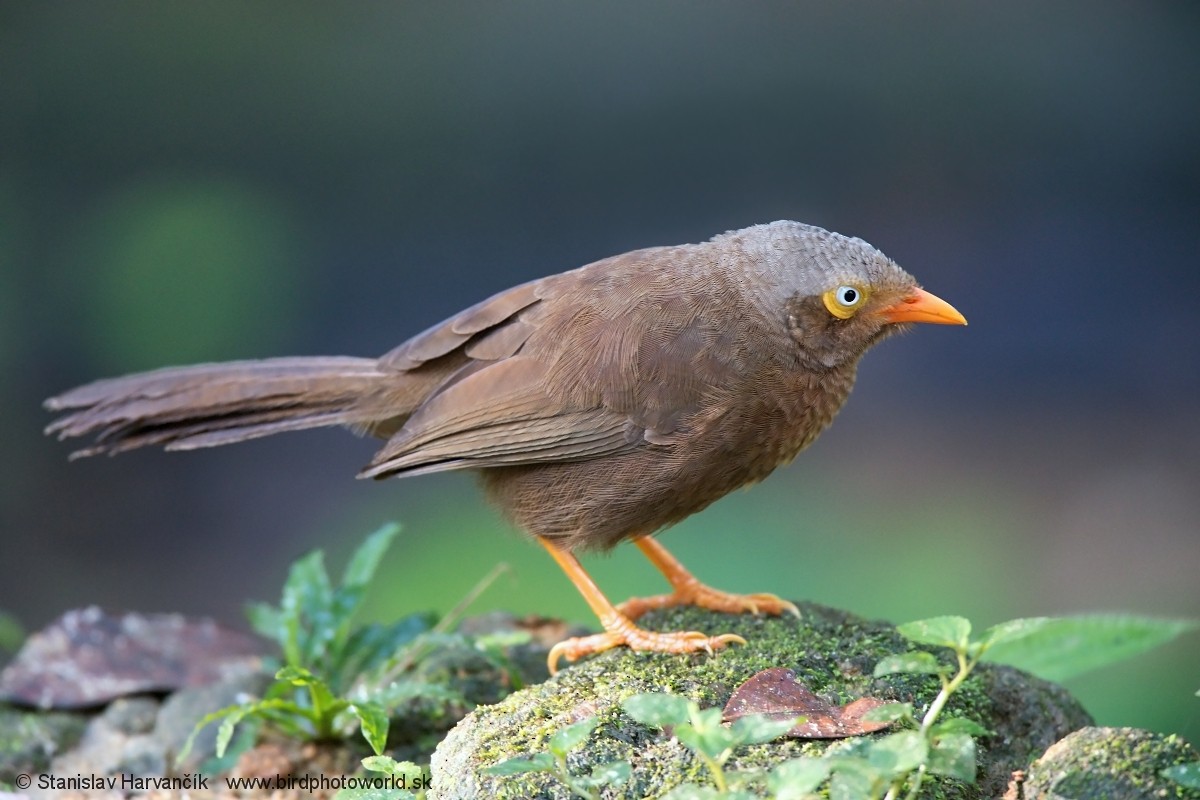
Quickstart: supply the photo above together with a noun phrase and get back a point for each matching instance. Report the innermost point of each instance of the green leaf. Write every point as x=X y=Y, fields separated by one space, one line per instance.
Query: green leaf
x=232 y=715
x=658 y=710
x=373 y=644
x=267 y=620
x=1012 y=630
x=374 y=794
x=917 y=662
x=324 y=703
x=296 y=675
x=390 y=766
x=708 y=719
x=759 y=728
x=958 y=725
x=707 y=735
x=1060 y=648
x=951 y=632
x=572 y=736
x=386 y=765
x=692 y=791
x=854 y=779
x=1187 y=775
x=244 y=738
x=347 y=599
x=953 y=755
x=709 y=742
x=794 y=779
x=240 y=710
x=367 y=557
x=542 y=762
x=225 y=732
x=889 y=713
x=373 y=721
x=614 y=773
x=305 y=608
x=898 y=753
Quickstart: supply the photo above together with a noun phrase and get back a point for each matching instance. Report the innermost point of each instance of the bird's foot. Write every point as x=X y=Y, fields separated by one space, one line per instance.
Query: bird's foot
x=623 y=632
x=694 y=593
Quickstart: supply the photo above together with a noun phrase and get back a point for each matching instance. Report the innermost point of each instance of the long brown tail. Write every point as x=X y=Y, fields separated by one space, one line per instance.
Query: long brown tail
x=212 y=404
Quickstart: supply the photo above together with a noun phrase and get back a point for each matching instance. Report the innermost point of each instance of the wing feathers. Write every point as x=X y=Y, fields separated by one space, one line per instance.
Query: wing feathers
x=451 y=334
x=500 y=414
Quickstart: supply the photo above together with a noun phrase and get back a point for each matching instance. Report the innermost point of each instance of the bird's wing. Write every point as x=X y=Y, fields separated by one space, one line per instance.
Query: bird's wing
x=490 y=405
x=620 y=354
x=488 y=330
x=494 y=416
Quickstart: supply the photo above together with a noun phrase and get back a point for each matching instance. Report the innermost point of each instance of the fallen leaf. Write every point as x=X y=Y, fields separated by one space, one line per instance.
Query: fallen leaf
x=777 y=694
x=88 y=657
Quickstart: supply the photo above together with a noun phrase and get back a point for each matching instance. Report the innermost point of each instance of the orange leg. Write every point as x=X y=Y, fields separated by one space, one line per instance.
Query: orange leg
x=690 y=591
x=618 y=628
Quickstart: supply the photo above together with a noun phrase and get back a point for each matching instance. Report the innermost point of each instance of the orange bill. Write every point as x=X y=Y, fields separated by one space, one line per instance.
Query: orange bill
x=921 y=306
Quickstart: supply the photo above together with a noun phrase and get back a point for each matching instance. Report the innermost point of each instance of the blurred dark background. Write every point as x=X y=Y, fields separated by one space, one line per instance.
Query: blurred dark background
x=186 y=182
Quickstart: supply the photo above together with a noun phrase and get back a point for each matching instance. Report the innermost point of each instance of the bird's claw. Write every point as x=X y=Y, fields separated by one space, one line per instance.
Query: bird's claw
x=628 y=634
x=713 y=599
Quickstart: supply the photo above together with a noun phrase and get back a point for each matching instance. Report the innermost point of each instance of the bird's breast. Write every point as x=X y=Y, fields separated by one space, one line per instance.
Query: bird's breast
x=783 y=413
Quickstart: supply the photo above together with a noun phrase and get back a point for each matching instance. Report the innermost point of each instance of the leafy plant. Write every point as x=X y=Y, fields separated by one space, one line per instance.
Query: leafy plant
x=554 y=761
x=1059 y=648
x=323 y=653
x=391 y=781
x=701 y=731
x=313 y=623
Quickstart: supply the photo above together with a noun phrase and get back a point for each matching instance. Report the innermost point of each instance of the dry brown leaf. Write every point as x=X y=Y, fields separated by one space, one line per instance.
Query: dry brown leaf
x=777 y=694
x=88 y=657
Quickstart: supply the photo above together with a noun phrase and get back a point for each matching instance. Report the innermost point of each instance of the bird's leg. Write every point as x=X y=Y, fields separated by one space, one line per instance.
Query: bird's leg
x=618 y=628
x=690 y=591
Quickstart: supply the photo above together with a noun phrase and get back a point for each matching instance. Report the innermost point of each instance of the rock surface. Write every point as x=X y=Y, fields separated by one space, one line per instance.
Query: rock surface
x=834 y=653
x=30 y=740
x=1103 y=763
x=142 y=735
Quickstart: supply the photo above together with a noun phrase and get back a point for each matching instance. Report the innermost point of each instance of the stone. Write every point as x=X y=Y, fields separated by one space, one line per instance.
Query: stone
x=1104 y=763
x=832 y=652
x=180 y=712
x=30 y=739
x=132 y=715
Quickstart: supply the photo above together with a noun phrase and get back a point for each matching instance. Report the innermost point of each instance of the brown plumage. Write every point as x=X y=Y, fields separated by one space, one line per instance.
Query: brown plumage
x=599 y=404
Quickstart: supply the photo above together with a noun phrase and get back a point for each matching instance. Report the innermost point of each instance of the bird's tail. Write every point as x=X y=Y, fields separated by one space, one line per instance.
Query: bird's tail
x=206 y=405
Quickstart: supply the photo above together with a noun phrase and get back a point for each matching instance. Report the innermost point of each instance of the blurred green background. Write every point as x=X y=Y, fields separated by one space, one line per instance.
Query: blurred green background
x=201 y=181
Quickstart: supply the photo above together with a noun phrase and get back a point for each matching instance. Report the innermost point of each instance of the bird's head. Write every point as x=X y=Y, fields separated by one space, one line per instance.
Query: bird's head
x=839 y=294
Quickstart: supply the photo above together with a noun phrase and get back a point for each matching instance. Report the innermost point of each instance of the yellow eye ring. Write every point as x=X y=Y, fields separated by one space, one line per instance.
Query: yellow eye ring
x=844 y=301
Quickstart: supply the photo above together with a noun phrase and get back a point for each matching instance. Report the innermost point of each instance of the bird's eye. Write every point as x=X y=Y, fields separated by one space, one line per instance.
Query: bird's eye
x=843 y=301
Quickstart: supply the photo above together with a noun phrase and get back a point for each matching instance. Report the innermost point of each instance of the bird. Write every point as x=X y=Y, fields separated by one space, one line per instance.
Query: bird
x=598 y=405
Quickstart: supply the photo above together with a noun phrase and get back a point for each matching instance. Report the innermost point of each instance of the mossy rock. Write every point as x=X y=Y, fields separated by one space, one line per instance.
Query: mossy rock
x=1103 y=763
x=830 y=651
x=30 y=739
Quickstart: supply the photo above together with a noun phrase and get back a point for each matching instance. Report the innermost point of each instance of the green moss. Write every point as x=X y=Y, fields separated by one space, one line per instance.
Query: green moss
x=29 y=739
x=1096 y=763
x=832 y=652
